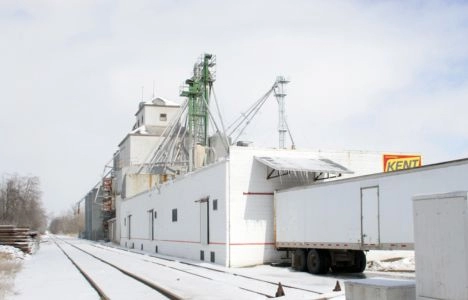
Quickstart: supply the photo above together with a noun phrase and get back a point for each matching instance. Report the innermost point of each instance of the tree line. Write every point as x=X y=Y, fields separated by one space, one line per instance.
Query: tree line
x=67 y=223
x=21 y=203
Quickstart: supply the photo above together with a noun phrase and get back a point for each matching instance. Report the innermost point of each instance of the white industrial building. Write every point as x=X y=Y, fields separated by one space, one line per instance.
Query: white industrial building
x=185 y=186
x=222 y=212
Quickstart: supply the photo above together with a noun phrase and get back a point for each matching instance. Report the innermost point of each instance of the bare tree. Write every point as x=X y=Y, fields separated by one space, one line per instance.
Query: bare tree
x=69 y=222
x=20 y=202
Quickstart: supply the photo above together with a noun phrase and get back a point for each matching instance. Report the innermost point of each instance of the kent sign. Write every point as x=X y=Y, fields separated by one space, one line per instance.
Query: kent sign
x=393 y=162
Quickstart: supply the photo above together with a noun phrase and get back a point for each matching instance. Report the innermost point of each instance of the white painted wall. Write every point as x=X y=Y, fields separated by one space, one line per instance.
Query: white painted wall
x=361 y=162
x=247 y=216
x=252 y=222
x=136 y=148
x=141 y=146
x=133 y=151
x=152 y=115
x=181 y=238
x=138 y=183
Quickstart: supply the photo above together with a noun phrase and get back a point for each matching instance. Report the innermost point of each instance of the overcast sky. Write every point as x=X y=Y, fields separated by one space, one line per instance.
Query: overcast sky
x=365 y=75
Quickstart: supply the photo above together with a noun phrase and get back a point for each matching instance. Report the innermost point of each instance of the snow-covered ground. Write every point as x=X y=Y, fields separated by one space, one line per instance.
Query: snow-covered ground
x=48 y=274
x=10 y=264
x=391 y=261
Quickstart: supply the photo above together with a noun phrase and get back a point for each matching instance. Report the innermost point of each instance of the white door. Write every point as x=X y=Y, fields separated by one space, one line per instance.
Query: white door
x=370 y=215
x=204 y=221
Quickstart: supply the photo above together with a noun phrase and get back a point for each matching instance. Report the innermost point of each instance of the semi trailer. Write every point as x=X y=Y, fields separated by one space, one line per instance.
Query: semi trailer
x=330 y=225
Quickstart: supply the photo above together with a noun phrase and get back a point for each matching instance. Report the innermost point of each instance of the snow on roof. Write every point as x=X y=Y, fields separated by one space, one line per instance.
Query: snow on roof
x=303 y=164
x=163 y=101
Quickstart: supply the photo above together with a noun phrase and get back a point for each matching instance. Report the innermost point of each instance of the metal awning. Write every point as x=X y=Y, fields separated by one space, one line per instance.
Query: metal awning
x=303 y=164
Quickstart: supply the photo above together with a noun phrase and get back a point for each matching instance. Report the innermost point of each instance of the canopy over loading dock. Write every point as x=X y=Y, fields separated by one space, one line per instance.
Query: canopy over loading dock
x=285 y=165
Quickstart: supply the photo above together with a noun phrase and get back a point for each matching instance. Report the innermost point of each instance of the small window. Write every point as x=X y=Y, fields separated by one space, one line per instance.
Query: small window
x=162 y=117
x=174 y=215
x=212 y=257
x=125 y=221
x=215 y=204
x=202 y=255
x=155 y=214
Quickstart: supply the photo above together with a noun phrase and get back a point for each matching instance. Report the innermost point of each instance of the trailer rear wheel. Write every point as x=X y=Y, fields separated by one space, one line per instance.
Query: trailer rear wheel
x=299 y=260
x=359 y=262
x=318 y=261
x=326 y=261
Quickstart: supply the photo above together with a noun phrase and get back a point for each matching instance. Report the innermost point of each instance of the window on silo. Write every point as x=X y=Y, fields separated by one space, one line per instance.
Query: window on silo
x=163 y=117
x=174 y=215
x=215 y=204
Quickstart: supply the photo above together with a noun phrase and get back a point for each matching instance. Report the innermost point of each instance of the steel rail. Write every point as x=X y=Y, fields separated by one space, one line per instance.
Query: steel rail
x=188 y=272
x=85 y=275
x=105 y=247
x=146 y=282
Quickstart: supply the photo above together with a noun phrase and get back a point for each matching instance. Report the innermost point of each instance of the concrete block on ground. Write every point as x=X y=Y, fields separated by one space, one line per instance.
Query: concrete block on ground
x=380 y=289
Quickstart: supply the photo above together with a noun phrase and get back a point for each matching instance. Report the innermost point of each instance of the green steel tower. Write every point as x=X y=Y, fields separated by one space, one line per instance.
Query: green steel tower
x=198 y=92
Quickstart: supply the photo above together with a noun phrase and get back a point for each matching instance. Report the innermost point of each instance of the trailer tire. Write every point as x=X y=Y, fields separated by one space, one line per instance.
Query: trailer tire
x=359 y=262
x=318 y=261
x=299 y=260
x=326 y=258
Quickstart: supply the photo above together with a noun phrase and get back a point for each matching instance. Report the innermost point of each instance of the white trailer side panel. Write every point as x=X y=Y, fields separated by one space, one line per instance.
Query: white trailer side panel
x=322 y=215
x=328 y=215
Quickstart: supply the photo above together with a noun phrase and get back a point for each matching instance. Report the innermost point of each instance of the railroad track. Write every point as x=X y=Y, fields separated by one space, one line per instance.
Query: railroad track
x=216 y=280
x=109 y=280
x=195 y=270
x=163 y=291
